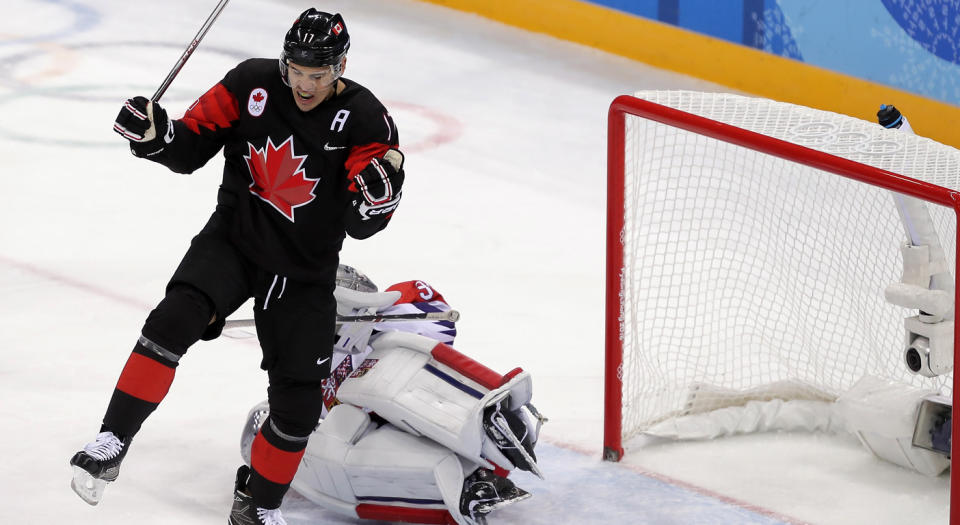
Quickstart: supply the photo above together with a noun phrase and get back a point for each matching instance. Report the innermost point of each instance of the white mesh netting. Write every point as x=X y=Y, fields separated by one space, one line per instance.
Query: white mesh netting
x=751 y=277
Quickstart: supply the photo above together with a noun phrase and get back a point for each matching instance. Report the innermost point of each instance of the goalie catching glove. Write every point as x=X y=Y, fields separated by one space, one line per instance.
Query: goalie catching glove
x=140 y=121
x=379 y=185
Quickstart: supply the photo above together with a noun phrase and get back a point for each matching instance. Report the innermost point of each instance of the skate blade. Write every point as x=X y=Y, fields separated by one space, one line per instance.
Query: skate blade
x=487 y=508
x=89 y=488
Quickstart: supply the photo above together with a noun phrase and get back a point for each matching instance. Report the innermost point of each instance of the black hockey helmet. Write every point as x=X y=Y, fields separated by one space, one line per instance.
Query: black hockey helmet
x=316 y=39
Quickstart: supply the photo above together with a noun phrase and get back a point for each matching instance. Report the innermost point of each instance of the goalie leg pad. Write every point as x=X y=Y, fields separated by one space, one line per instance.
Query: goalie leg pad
x=428 y=389
x=358 y=470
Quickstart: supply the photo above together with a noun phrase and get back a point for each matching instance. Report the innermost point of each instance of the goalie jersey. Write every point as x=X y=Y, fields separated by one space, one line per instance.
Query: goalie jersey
x=415 y=297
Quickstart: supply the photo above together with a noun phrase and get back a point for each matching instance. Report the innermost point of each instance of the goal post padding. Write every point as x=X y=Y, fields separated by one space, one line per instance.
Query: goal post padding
x=749 y=243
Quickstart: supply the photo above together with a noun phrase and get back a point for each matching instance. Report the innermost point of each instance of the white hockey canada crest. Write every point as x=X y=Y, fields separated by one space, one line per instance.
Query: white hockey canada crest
x=257 y=102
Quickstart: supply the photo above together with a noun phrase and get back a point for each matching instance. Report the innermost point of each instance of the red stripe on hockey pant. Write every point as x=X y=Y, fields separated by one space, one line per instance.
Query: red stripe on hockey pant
x=468 y=367
x=404 y=514
x=146 y=379
x=278 y=466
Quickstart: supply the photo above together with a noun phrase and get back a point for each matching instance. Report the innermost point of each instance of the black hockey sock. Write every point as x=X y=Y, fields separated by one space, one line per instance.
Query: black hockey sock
x=175 y=324
x=143 y=384
x=275 y=457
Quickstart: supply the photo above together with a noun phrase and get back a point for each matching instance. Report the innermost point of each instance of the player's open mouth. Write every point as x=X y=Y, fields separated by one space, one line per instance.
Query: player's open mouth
x=304 y=96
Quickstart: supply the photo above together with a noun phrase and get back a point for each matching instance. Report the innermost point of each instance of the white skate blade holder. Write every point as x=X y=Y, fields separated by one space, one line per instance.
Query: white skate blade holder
x=89 y=488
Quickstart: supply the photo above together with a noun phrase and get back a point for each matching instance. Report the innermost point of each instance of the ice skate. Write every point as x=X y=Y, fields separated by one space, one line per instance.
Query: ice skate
x=508 y=430
x=96 y=465
x=484 y=492
x=244 y=511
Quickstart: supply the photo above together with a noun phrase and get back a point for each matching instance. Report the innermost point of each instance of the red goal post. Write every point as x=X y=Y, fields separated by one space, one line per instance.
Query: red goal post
x=765 y=145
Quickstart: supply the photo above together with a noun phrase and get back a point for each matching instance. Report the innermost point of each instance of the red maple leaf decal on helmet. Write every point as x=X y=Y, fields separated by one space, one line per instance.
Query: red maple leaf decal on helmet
x=278 y=177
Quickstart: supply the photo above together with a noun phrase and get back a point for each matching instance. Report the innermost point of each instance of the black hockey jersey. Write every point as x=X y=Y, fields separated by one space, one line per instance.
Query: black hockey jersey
x=288 y=174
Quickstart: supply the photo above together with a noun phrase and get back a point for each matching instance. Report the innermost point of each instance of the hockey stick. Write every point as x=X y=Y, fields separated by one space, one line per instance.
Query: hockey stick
x=189 y=51
x=451 y=315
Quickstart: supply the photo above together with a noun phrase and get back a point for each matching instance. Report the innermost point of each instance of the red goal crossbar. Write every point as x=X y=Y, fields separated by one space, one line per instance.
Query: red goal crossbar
x=616 y=135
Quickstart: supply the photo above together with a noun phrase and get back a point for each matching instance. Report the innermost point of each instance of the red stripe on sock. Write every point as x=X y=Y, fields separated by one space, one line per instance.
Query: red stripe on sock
x=468 y=367
x=146 y=379
x=404 y=514
x=278 y=466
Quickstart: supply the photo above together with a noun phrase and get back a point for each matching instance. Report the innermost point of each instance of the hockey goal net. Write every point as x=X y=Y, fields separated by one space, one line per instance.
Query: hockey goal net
x=749 y=243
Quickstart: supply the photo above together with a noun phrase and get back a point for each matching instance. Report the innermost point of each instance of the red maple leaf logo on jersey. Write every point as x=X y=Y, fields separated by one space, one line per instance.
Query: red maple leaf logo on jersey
x=278 y=177
x=258 y=97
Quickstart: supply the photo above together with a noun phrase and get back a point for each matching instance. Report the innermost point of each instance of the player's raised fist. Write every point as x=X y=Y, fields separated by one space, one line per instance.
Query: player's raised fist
x=140 y=119
x=380 y=182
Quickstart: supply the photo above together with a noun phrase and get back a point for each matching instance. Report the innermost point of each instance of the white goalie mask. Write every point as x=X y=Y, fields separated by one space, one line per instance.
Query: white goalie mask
x=255 y=419
x=353 y=279
x=356 y=294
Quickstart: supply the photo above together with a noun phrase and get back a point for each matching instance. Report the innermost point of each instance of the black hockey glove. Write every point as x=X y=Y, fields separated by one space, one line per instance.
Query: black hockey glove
x=141 y=122
x=380 y=185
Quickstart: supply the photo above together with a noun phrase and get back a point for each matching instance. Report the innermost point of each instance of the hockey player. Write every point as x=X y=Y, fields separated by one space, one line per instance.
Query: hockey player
x=310 y=157
x=412 y=461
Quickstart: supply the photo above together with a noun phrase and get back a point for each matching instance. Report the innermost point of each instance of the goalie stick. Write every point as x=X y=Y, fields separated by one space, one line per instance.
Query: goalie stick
x=451 y=315
x=189 y=51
